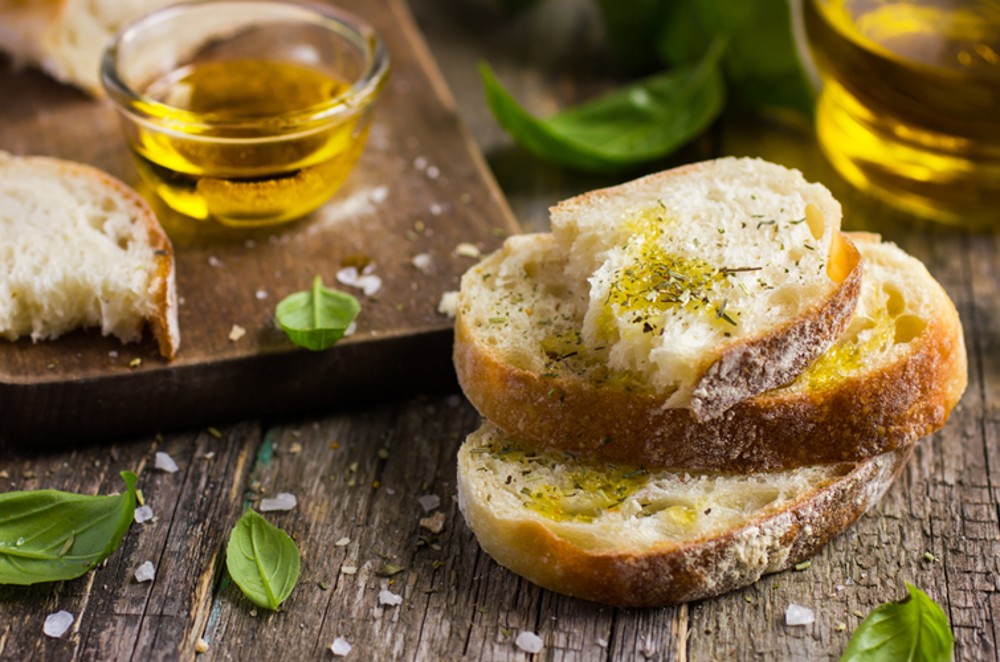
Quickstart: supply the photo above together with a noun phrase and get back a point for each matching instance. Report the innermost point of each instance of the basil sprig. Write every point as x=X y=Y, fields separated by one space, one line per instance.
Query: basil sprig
x=318 y=317
x=49 y=536
x=262 y=560
x=708 y=51
x=641 y=122
x=912 y=630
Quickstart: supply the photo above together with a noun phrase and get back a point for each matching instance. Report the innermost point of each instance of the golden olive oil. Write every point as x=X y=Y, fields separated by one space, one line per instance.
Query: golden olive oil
x=910 y=107
x=239 y=141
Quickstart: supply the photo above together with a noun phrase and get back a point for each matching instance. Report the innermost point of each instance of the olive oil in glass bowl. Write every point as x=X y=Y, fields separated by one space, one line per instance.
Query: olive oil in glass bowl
x=247 y=112
x=910 y=107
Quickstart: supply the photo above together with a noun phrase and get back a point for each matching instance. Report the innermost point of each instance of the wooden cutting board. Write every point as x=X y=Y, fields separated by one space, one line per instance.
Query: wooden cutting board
x=420 y=187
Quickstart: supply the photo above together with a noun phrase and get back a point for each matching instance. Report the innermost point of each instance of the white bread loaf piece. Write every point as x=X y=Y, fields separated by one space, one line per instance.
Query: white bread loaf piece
x=66 y=38
x=629 y=537
x=712 y=282
x=892 y=378
x=78 y=248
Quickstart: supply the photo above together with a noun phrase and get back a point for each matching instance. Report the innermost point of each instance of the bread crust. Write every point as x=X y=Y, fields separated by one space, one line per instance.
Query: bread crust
x=681 y=572
x=861 y=416
x=163 y=321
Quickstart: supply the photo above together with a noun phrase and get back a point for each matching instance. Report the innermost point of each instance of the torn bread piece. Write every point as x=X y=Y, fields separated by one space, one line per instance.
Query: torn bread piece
x=522 y=360
x=78 y=248
x=711 y=282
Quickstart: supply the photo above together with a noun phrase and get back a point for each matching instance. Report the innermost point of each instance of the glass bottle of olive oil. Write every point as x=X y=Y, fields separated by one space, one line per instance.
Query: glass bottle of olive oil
x=247 y=142
x=910 y=107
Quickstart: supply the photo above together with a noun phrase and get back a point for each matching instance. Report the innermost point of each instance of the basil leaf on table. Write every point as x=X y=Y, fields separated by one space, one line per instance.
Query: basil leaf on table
x=912 y=630
x=638 y=123
x=316 y=318
x=262 y=560
x=49 y=536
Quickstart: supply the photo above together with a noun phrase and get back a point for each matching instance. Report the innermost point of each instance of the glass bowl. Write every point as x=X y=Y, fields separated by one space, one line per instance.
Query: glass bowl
x=246 y=112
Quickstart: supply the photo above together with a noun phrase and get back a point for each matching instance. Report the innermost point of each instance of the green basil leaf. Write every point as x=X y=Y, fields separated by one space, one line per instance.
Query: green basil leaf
x=912 y=630
x=49 y=536
x=761 y=62
x=262 y=560
x=638 y=123
x=316 y=318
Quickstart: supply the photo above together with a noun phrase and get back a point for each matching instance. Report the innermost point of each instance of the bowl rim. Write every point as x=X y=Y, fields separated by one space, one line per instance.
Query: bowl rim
x=164 y=117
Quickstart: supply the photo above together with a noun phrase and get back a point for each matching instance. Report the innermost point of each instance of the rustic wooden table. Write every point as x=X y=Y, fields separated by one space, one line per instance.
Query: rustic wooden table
x=358 y=473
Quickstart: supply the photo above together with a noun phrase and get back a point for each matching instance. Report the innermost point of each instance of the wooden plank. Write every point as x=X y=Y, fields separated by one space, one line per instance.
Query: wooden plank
x=118 y=618
x=421 y=187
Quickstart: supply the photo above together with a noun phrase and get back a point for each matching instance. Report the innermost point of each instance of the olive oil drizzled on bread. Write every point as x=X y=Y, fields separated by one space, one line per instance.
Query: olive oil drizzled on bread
x=284 y=174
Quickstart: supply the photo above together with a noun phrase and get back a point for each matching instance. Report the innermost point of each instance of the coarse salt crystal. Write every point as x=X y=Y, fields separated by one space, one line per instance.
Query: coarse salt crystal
x=433 y=172
x=386 y=597
x=378 y=194
x=214 y=261
x=465 y=249
x=423 y=262
x=798 y=615
x=366 y=281
x=57 y=624
x=281 y=501
x=351 y=328
x=260 y=294
x=448 y=306
x=143 y=514
x=436 y=209
x=343 y=542
x=603 y=643
x=236 y=332
x=429 y=502
x=420 y=163
x=349 y=569
x=145 y=572
x=340 y=647
x=164 y=462
x=529 y=642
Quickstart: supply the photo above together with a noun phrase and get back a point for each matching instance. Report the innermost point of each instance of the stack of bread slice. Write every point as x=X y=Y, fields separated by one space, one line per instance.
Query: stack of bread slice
x=693 y=380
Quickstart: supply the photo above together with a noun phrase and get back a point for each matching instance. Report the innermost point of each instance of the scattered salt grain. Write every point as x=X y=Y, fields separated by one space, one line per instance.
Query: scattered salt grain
x=164 y=462
x=429 y=502
x=378 y=194
x=365 y=280
x=57 y=624
x=145 y=572
x=448 y=305
x=465 y=249
x=340 y=647
x=351 y=328
x=214 y=261
x=423 y=262
x=798 y=615
x=349 y=569
x=261 y=294
x=282 y=501
x=143 y=514
x=603 y=643
x=433 y=172
x=386 y=597
x=343 y=542
x=434 y=523
x=113 y=354
x=236 y=332
x=529 y=642
x=420 y=163
x=436 y=209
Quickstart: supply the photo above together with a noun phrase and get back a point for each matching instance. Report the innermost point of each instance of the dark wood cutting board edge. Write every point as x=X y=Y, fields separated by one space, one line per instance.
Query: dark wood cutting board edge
x=422 y=187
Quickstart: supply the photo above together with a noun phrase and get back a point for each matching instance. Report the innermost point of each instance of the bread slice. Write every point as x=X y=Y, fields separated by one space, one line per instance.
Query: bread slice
x=79 y=248
x=66 y=37
x=893 y=377
x=629 y=537
x=712 y=282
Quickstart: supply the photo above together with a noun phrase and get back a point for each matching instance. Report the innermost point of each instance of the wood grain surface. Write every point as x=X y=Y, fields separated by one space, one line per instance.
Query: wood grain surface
x=457 y=603
x=420 y=187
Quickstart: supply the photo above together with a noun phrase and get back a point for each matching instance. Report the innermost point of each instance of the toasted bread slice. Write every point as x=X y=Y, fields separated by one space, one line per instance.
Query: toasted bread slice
x=893 y=377
x=634 y=538
x=79 y=248
x=712 y=282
